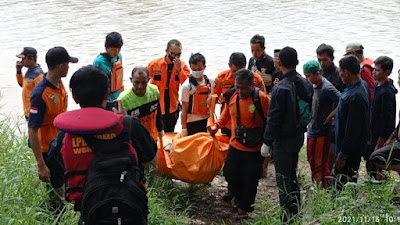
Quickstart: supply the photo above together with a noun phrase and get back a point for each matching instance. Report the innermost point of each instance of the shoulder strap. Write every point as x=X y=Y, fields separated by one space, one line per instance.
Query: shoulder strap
x=193 y=81
x=257 y=101
x=128 y=126
x=229 y=94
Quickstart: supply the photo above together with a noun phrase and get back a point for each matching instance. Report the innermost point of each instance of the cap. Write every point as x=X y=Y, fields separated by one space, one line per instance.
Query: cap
x=58 y=55
x=27 y=52
x=311 y=66
x=352 y=47
x=276 y=52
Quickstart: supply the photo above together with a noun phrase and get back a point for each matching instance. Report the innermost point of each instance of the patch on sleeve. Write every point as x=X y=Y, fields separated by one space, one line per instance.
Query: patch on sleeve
x=33 y=110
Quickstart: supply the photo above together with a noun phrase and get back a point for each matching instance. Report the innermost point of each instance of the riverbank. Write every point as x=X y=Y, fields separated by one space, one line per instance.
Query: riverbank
x=23 y=198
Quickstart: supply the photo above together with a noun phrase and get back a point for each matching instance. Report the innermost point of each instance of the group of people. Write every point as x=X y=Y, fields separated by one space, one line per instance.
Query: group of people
x=348 y=113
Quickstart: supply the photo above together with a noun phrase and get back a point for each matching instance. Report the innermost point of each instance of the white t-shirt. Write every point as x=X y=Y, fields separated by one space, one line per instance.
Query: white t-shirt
x=185 y=95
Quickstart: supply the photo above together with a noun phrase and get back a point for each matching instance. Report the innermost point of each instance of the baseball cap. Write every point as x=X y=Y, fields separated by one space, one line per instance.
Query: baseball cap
x=352 y=47
x=58 y=55
x=27 y=52
x=311 y=66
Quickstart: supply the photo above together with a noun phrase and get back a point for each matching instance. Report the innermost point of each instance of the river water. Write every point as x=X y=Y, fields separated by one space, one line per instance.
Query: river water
x=216 y=28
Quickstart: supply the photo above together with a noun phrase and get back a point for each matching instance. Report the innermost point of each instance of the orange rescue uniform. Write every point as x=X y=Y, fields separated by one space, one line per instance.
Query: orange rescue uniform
x=47 y=101
x=226 y=80
x=28 y=83
x=247 y=110
x=158 y=72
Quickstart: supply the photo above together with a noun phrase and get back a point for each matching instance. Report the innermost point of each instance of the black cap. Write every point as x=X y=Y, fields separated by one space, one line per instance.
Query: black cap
x=58 y=55
x=27 y=52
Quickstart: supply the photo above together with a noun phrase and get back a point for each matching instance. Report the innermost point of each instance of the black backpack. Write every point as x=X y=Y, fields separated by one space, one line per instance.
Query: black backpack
x=113 y=192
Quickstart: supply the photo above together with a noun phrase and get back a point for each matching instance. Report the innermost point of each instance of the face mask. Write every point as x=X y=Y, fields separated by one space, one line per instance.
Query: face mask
x=197 y=74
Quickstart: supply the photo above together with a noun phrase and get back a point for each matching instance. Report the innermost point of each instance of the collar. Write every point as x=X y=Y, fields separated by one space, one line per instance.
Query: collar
x=48 y=83
x=330 y=69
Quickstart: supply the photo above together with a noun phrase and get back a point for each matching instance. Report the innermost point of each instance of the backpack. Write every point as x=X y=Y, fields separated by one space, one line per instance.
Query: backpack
x=113 y=192
x=303 y=111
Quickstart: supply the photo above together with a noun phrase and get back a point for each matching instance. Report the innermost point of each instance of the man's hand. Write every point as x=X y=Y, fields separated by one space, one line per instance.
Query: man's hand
x=265 y=149
x=177 y=64
x=213 y=130
x=160 y=134
x=329 y=120
x=340 y=163
x=388 y=141
x=44 y=173
x=184 y=132
x=19 y=66
x=121 y=109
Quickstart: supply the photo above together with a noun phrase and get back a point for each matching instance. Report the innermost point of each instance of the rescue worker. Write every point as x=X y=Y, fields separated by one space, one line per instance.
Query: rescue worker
x=48 y=99
x=143 y=102
x=325 y=100
x=90 y=88
x=32 y=77
x=111 y=63
x=167 y=73
x=246 y=116
x=329 y=69
x=223 y=83
x=357 y=50
x=351 y=122
x=195 y=92
x=226 y=80
x=261 y=62
x=383 y=110
x=284 y=130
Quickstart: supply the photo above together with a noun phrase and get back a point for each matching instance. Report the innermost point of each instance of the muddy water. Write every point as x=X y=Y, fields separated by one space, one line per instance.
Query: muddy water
x=215 y=28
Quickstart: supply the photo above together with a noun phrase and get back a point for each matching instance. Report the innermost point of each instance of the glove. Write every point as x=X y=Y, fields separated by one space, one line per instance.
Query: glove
x=265 y=150
x=184 y=132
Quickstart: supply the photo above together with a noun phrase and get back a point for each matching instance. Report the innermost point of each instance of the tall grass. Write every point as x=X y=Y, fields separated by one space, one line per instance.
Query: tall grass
x=24 y=199
x=361 y=203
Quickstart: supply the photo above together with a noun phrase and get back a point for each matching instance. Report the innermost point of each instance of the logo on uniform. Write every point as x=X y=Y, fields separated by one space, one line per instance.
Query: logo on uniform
x=135 y=113
x=153 y=107
x=252 y=108
x=53 y=98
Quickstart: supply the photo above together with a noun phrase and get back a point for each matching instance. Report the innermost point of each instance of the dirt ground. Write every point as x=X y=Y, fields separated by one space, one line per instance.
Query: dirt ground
x=209 y=208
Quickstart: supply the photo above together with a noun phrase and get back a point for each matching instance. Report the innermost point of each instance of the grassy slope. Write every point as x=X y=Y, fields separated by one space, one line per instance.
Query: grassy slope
x=23 y=199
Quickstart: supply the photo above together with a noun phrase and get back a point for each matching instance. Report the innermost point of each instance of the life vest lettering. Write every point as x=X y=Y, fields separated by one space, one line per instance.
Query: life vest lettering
x=107 y=136
x=78 y=142
x=82 y=150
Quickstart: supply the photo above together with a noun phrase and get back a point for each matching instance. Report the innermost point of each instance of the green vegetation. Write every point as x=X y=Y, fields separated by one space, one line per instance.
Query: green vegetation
x=362 y=203
x=24 y=199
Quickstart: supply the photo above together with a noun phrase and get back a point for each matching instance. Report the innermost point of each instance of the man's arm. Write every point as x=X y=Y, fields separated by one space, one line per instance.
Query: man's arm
x=143 y=142
x=184 y=73
x=20 y=76
x=275 y=116
x=43 y=171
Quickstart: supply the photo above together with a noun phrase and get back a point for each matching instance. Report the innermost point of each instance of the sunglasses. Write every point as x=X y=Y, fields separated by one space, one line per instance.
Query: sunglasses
x=175 y=53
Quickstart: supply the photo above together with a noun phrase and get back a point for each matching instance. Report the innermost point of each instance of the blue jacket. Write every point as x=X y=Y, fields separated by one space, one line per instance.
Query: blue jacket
x=282 y=120
x=351 y=124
